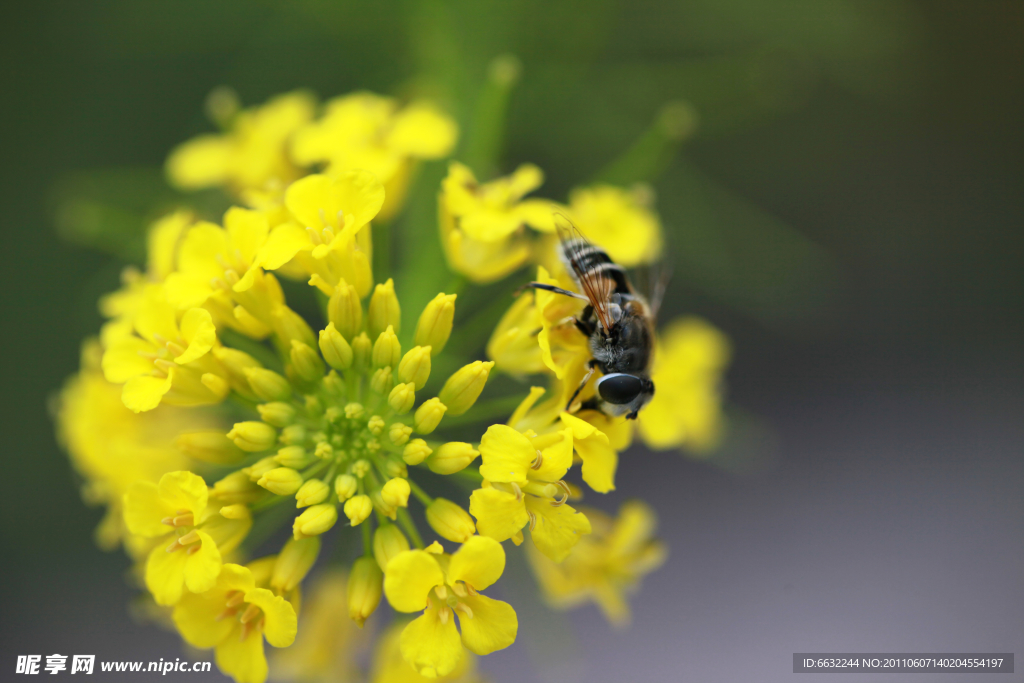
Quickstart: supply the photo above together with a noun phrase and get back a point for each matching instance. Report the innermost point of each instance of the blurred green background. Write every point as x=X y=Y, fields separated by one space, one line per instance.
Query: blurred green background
x=848 y=209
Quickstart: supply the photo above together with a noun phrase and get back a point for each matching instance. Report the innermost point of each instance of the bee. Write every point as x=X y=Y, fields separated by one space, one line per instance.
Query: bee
x=617 y=321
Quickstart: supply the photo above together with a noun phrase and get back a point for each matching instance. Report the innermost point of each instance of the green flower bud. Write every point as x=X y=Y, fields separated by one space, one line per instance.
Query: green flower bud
x=386 y=350
x=253 y=436
x=236 y=488
x=361 y=349
x=268 y=385
x=402 y=398
x=236 y=362
x=293 y=456
x=388 y=541
x=435 y=323
x=313 y=492
x=415 y=452
x=291 y=327
x=261 y=467
x=344 y=310
x=277 y=413
x=463 y=388
x=384 y=310
x=306 y=362
x=294 y=562
x=345 y=485
x=399 y=433
x=452 y=457
x=396 y=468
x=336 y=350
x=450 y=521
x=365 y=585
x=429 y=415
x=415 y=366
x=382 y=381
x=314 y=521
x=333 y=384
x=293 y=435
x=357 y=509
x=213 y=447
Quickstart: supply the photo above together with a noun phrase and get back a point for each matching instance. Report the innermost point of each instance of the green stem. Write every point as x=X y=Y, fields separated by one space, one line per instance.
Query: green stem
x=367 y=538
x=486 y=411
x=487 y=128
x=410 y=528
x=420 y=494
x=650 y=155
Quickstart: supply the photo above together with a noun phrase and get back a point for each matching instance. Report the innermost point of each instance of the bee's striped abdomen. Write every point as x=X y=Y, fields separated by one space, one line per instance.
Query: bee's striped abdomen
x=583 y=257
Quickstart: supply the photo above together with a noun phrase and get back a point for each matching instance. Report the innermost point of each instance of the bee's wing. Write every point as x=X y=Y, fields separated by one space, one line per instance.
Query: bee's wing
x=597 y=289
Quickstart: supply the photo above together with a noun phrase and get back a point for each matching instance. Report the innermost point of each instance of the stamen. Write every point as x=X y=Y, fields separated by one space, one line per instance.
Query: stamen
x=518 y=491
x=231 y=276
x=538 y=461
x=323 y=216
x=174 y=546
x=239 y=260
x=445 y=615
x=189 y=538
x=226 y=614
x=314 y=237
x=147 y=355
x=533 y=519
x=464 y=609
x=565 y=493
x=246 y=628
x=175 y=349
x=159 y=338
x=221 y=261
x=459 y=589
x=180 y=520
x=194 y=549
x=442 y=592
x=250 y=613
x=328 y=235
x=164 y=364
x=235 y=598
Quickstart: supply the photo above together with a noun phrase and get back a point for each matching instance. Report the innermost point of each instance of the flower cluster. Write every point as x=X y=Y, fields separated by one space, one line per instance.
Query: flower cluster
x=209 y=404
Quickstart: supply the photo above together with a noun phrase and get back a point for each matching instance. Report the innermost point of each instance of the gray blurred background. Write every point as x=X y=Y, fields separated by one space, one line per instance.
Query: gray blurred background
x=849 y=212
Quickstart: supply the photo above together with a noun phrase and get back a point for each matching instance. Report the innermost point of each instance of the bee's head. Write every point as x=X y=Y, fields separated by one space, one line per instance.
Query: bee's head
x=628 y=393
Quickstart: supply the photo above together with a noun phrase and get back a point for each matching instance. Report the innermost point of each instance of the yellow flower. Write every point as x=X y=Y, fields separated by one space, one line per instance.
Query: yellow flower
x=366 y=131
x=252 y=154
x=325 y=647
x=169 y=360
x=687 y=407
x=481 y=224
x=390 y=667
x=112 y=447
x=619 y=221
x=522 y=485
x=605 y=565
x=177 y=507
x=445 y=586
x=234 y=616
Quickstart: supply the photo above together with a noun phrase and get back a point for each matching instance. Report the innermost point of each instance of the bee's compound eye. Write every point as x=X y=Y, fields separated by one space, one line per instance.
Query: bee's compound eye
x=619 y=388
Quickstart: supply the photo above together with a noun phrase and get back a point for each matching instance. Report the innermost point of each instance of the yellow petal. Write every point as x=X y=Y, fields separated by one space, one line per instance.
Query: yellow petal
x=243 y=660
x=490 y=225
x=200 y=162
x=122 y=361
x=203 y=566
x=479 y=562
x=282 y=244
x=165 y=574
x=599 y=459
x=558 y=528
x=247 y=231
x=431 y=646
x=199 y=331
x=410 y=576
x=195 y=615
x=281 y=624
x=156 y=318
x=200 y=249
x=184 y=491
x=492 y=627
x=506 y=454
x=143 y=393
x=499 y=514
x=306 y=197
x=162 y=243
x=185 y=290
x=420 y=130
x=556 y=459
x=144 y=510
x=360 y=195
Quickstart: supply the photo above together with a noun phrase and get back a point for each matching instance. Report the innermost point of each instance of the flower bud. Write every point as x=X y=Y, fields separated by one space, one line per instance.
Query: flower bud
x=365 y=585
x=357 y=509
x=313 y=492
x=386 y=350
x=306 y=362
x=314 y=521
x=396 y=468
x=333 y=384
x=402 y=398
x=294 y=562
x=253 y=436
x=260 y=467
x=382 y=380
x=452 y=457
x=435 y=323
x=213 y=447
x=388 y=541
x=293 y=435
x=395 y=492
x=387 y=509
x=429 y=415
x=291 y=327
x=415 y=366
x=384 y=310
x=293 y=456
x=450 y=521
x=399 y=433
x=236 y=362
x=344 y=310
x=361 y=349
x=236 y=488
x=345 y=485
x=336 y=350
x=277 y=413
x=415 y=452
x=268 y=385
x=375 y=424
x=284 y=481
x=235 y=511
x=463 y=388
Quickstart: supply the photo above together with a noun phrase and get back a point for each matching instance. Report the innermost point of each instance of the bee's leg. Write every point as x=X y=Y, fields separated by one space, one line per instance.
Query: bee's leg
x=632 y=416
x=586 y=323
x=583 y=383
x=552 y=288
